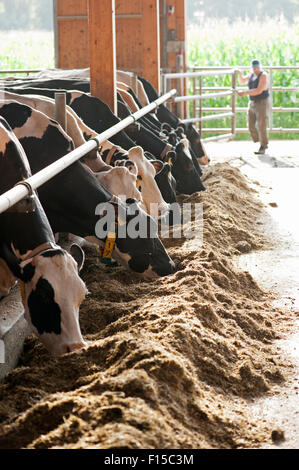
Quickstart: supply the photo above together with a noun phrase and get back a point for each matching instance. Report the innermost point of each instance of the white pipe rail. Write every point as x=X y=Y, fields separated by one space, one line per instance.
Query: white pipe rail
x=245 y=110
x=26 y=187
x=197 y=74
x=243 y=130
x=245 y=67
x=179 y=99
x=209 y=118
x=228 y=136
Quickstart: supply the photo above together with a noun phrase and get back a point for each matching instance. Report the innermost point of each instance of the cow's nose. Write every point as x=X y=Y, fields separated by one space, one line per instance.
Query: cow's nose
x=204 y=160
x=67 y=348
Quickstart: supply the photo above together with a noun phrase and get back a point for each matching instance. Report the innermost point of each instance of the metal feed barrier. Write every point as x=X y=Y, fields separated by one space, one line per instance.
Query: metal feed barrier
x=198 y=73
x=26 y=187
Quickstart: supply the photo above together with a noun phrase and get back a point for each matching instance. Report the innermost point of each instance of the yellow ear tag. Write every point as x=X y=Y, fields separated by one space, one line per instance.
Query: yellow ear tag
x=23 y=293
x=108 y=249
x=169 y=161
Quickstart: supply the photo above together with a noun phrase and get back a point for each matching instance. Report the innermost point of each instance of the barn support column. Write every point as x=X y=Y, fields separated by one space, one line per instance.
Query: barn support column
x=150 y=30
x=102 y=51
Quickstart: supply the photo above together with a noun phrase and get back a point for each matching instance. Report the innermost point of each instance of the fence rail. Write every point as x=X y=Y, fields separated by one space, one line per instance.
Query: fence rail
x=198 y=98
x=200 y=93
x=26 y=187
x=20 y=71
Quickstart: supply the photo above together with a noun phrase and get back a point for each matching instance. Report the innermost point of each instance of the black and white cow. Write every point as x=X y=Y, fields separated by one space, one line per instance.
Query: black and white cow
x=70 y=199
x=52 y=289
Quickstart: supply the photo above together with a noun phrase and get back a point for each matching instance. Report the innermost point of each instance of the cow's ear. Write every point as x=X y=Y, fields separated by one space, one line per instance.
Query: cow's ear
x=157 y=164
x=132 y=167
x=78 y=255
x=170 y=158
x=12 y=262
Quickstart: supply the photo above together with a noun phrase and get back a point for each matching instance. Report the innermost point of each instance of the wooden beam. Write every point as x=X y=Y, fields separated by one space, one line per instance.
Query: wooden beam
x=103 y=51
x=150 y=31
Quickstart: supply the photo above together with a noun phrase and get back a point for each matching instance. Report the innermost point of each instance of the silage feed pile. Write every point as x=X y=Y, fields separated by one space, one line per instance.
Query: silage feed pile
x=171 y=363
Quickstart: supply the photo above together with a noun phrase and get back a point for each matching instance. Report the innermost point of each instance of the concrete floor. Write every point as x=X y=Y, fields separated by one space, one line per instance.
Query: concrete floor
x=280 y=153
x=277 y=175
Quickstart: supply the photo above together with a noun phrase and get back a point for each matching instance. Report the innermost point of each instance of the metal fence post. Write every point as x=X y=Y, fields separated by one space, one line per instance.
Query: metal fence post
x=271 y=99
x=234 y=81
x=194 y=93
x=200 y=105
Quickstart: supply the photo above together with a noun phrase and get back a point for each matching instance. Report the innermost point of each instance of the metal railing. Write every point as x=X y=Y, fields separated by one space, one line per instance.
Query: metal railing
x=197 y=86
x=25 y=188
x=199 y=109
x=20 y=71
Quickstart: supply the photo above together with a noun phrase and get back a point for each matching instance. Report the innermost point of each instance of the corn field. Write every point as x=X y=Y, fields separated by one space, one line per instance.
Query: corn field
x=26 y=50
x=274 y=42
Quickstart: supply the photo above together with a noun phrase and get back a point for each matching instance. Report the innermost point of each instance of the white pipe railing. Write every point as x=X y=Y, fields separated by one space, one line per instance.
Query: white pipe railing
x=26 y=187
x=209 y=118
x=179 y=99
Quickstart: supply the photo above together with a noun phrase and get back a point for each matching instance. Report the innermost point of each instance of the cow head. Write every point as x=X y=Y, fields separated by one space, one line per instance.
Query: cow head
x=122 y=181
x=52 y=292
x=137 y=245
x=165 y=180
x=151 y=195
x=196 y=144
x=187 y=177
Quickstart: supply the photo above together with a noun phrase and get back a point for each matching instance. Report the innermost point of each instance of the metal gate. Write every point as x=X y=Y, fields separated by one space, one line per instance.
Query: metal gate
x=199 y=92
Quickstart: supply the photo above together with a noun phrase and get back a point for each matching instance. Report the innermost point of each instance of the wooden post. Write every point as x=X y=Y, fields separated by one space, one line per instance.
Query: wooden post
x=60 y=109
x=150 y=29
x=103 y=51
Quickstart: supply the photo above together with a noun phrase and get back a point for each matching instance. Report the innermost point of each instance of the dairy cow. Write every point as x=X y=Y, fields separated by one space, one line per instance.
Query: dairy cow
x=70 y=199
x=74 y=125
x=52 y=289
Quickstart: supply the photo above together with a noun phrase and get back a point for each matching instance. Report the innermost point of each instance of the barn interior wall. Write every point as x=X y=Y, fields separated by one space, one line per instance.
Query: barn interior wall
x=135 y=44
